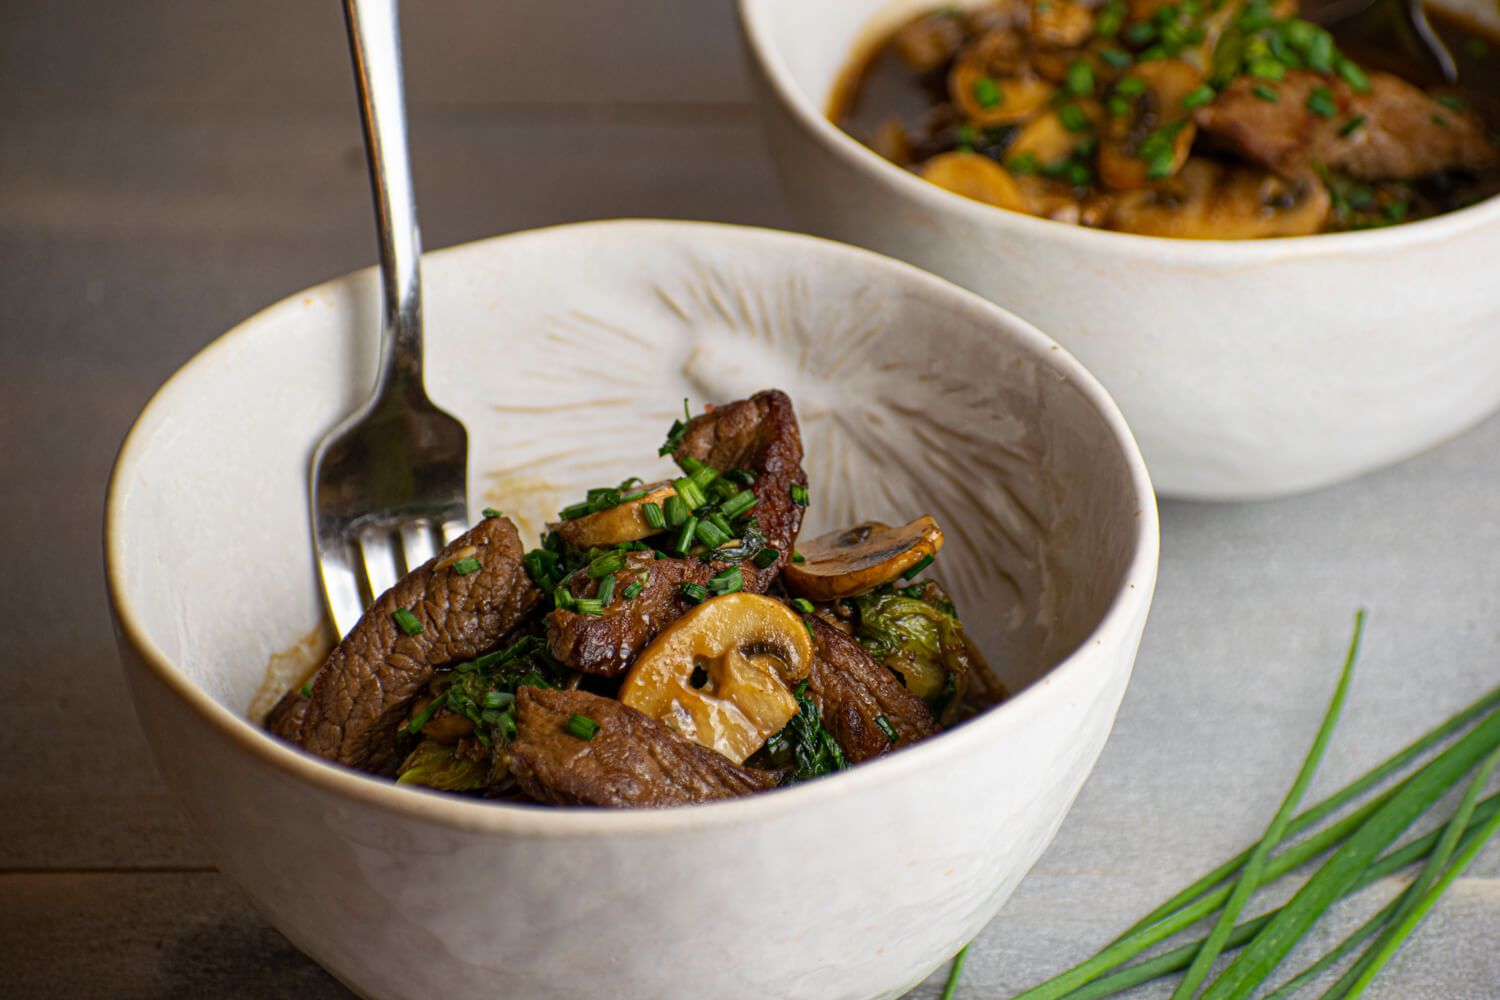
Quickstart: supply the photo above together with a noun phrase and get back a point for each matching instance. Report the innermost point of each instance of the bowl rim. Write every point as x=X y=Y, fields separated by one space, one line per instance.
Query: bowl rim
x=766 y=56
x=1132 y=597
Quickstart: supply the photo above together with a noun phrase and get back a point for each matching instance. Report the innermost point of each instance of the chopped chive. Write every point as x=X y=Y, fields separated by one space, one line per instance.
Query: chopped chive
x=1072 y=117
x=416 y=722
x=610 y=562
x=1161 y=165
x=711 y=534
x=1265 y=93
x=799 y=494
x=562 y=597
x=406 y=621
x=582 y=727
x=808 y=625
x=955 y=971
x=798 y=557
x=1080 y=79
x=1110 y=19
x=1319 y=52
x=675 y=511
x=632 y=590
x=588 y=606
x=988 y=93
x=693 y=592
x=686 y=536
x=738 y=504
x=766 y=557
x=606 y=591
x=577 y=510
x=463 y=567
x=1320 y=102
x=1131 y=86
x=490 y=512
x=1353 y=75
x=1140 y=33
x=919 y=567
x=651 y=513
x=1395 y=211
x=1119 y=107
x=1267 y=69
x=690 y=492
x=704 y=476
x=1451 y=101
x=1022 y=164
x=1198 y=96
x=690 y=464
x=1115 y=58
x=1352 y=125
x=803 y=605
x=742 y=476
x=727 y=581
x=498 y=699
x=306 y=689
x=887 y=728
x=1252 y=875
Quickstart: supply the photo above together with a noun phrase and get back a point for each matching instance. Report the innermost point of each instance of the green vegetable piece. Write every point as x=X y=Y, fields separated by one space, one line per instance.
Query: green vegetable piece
x=406 y=621
x=463 y=567
x=1352 y=125
x=1023 y=164
x=632 y=590
x=988 y=93
x=1320 y=102
x=1267 y=94
x=1198 y=97
x=1080 y=79
x=1115 y=58
x=812 y=749
x=955 y=973
x=652 y=513
x=1072 y=117
x=726 y=581
x=693 y=592
x=433 y=765
x=1353 y=75
x=490 y=512
x=799 y=495
x=1254 y=870
x=581 y=727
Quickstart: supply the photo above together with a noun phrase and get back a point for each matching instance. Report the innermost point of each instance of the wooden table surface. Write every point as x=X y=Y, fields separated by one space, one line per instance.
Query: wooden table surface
x=168 y=167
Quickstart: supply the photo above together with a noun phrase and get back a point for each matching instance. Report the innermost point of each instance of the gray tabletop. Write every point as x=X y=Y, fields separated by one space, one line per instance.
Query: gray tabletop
x=169 y=166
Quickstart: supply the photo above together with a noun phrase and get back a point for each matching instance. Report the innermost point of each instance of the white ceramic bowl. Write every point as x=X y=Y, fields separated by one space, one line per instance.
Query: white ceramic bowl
x=1246 y=368
x=566 y=352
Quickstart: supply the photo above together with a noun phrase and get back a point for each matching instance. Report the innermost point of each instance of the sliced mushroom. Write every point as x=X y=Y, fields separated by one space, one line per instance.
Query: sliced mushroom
x=975 y=176
x=992 y=82
x=1211 y=201
x=1049 y=140
x=850 y=563
x=1156 y=118
x=721 y=674
x=624 y=523
x=1060 y=24
x=930 y=40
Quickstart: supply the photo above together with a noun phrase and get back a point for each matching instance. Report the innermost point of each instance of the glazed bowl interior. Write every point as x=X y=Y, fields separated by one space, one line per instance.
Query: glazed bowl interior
x=567 y=353
x=563 y=390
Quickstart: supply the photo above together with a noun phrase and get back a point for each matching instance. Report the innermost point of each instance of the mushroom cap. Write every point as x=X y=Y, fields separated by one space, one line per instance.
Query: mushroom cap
x=622 y=523
x=855 y=561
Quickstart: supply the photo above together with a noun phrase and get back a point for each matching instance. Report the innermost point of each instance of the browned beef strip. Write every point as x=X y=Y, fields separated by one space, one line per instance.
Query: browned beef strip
x=1405 y=134
x=285 y=717
x=758 y=434
x=633 y=760
x=608 y=644
x=851 y=690
x=363 y=690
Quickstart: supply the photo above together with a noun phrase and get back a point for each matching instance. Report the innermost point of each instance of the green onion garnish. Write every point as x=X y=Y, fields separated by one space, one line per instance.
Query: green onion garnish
x=742 y=476
x=675 y=511
x=887 y=728
x=610 y=562
x=632 y=590
x=693 y=592
x=1353 y=75
x=799 y=495
x=690 y=492
x=1022 y=164
x=1265 y=93
x=1115 y=58
x=1072 y=117
x=798 y=557
x=727 y=581
x=1451 y=101
x=1080 y=79
x=765 y=557
x=582 y=727
x=737 y=504
x=803 y=605
x=416 y=722
x=1198 y=96
x=987 y=92
x=588 y=606
x=1267 y=69
x=653 y=516
x=704 y=476
x=463 y=567
x=606 y=591
x=919 y=567
x=406 y=621
x=1320 y=102
x=490 y=512
x=1109 y=19
x=306 y=689
x=1131 y=86
x=1352 y=125
x=577 y=510
x=686 y=536
x=712 y=534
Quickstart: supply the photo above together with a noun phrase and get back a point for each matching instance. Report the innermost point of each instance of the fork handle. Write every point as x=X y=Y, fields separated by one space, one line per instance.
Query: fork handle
x=375 y=43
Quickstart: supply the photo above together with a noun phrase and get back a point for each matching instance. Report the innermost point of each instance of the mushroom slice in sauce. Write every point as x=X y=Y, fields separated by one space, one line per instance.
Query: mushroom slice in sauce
x=849 y=563
x=1150 y=142
x=624 y=523
x=992 y=82
x=1211 y=201
x=721 y=674
x=975 y=176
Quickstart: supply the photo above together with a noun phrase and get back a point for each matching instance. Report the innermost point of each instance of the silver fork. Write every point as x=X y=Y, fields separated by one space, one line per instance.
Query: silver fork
x=389 y=483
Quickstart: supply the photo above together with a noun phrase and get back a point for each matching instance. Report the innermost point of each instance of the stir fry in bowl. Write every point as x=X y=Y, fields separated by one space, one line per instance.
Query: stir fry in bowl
x=1200 y=119
x=668 y=642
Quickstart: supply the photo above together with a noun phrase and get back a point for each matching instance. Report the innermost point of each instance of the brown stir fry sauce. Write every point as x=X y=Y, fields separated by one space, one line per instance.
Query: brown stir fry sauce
x=1200 y=119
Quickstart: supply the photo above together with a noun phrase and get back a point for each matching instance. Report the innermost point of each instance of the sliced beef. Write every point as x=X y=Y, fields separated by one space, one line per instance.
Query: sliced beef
x=759 y=435
x=1399 y=132
x=632 y=760
x=851 y=691
x=608 y=644
x=362 y=692
x=285 y=717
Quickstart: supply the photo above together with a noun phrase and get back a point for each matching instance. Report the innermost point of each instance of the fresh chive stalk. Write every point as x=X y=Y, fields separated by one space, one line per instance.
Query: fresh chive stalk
x=581 y=727
x=652 y=513
x=955 y=973
x=1254 y=870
